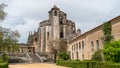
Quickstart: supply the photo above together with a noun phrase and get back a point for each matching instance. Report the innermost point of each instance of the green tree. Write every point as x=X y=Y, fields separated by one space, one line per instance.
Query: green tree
x=14 y=36
x=9 y=40
x=2 y=12
x=112 y=51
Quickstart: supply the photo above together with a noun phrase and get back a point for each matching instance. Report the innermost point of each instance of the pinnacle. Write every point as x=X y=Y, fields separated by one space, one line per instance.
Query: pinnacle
x=55 y=6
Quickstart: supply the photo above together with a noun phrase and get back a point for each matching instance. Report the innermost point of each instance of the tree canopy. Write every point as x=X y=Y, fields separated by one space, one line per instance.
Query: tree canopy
x=56 y=46
x=2 y=12
x=8 y=40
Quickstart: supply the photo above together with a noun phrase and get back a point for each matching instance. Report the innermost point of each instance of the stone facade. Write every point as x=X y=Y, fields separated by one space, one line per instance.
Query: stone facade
x=80 y=46
x=57 y=26
x=83 y=46
x=25 y=48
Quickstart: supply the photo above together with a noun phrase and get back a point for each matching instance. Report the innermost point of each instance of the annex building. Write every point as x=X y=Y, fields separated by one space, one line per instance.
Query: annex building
x=82 y=47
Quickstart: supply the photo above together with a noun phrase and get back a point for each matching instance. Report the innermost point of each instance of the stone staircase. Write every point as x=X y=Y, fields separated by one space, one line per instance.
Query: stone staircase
x=34 y=58
x=38 y=57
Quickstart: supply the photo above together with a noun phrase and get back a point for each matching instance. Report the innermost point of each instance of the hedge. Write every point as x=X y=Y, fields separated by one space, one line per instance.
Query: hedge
x=4 y=65
x=87 y=64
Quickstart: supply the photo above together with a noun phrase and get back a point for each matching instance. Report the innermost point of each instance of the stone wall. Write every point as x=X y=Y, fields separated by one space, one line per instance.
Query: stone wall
x=92 y=41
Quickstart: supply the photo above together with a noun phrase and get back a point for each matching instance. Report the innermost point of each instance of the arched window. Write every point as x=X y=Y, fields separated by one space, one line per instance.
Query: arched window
x=55 y=13
x=97 y=44
x=92 y=46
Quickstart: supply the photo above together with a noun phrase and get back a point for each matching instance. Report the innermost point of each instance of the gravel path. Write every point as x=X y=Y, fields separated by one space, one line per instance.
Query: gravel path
x=35 y=65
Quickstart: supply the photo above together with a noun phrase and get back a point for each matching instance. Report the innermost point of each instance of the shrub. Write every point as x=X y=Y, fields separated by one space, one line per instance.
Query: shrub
x=4 y=65
x=0 y=59
x=87 y=64
x=97 y=56
x=5 y=57
x=112 y=51
x=63 y=56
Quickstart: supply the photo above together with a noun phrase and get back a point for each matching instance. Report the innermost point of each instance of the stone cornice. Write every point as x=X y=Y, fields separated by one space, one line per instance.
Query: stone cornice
x=44 y=23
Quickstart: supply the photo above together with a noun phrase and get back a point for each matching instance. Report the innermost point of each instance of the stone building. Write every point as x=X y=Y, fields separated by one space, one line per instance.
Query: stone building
x=57 y=26
x=83 y=47
x=25 y=48
x=80 y=46
x=32 y=44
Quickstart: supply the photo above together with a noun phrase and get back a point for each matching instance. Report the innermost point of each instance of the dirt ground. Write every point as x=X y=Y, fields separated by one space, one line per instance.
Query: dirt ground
x=35 y=65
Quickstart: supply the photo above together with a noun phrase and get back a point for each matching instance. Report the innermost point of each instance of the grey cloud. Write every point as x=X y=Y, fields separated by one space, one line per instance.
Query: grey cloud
x=22 y=14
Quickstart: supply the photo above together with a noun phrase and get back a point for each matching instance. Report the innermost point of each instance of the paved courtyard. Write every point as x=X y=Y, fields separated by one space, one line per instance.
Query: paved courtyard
x=35 y=65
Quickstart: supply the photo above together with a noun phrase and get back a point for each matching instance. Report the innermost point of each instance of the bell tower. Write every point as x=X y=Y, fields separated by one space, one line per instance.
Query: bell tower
x=54 y=20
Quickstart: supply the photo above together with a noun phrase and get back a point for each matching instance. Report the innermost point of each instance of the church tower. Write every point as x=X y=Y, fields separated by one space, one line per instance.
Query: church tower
x=58 y=21
x=56 y=27
x=54 y=20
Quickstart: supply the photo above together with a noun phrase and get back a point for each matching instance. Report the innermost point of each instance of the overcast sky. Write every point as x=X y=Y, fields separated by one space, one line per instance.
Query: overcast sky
x=25 y=15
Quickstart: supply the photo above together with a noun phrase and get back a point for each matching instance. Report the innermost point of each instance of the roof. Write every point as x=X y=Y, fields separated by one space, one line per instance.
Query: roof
x=94 y=29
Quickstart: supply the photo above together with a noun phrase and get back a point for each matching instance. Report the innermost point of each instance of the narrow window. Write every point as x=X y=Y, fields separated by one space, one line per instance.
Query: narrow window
x=55 y=13
x=97 y=44
x=79 y=45
x=92 y=46
x=82 y=44
x=76 y=46
x=47 y=35
x=61 y=35
x=77 y=55
x=72 y=55
x=72 y=47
